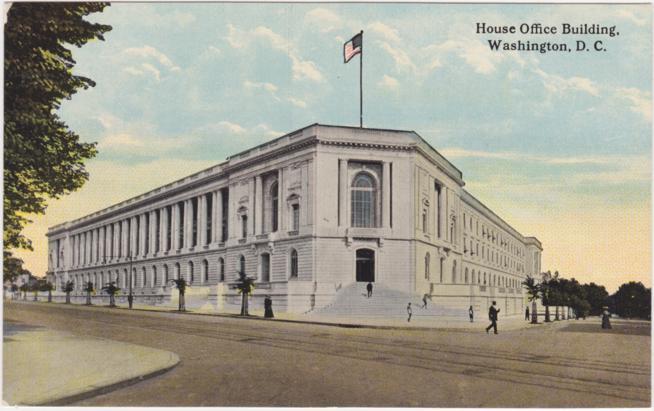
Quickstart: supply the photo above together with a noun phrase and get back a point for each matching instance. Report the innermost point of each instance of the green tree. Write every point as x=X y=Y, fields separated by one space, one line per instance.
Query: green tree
x=69 y=287
x=24 y=288
x=47 y=286
x=43 y=158
x=533 y=294
x=112 y=290
x=181 y=284
x=547 y=289
x=245 y=286
x=632 y=300
x=88 y=287
x=13 y=267
x=597 y=297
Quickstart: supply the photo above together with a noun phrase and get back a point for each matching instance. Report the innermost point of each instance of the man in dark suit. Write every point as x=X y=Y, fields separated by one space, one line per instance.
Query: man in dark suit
x=492 y=316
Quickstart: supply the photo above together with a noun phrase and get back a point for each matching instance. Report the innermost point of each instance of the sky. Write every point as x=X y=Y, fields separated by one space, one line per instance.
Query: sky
x=557 y=144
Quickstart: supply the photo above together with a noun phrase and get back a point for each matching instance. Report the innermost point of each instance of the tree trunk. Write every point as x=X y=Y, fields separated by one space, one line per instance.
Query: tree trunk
x=182 y=302
x=112 y=301
x=49 y=296
x=68 y=298
x=547 y=313
x=88 y=298
x=556 y=316
x=36 y=296
x=244 y=304
x=534 y=313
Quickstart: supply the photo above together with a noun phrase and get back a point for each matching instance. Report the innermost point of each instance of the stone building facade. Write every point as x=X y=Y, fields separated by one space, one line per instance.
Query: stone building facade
x=308 y=214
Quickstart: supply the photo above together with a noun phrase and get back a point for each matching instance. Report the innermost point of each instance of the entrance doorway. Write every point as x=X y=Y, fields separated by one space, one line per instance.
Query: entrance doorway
x=365 y=265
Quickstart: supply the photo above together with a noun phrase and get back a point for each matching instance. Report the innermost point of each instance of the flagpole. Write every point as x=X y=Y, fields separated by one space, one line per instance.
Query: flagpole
x=361 y=83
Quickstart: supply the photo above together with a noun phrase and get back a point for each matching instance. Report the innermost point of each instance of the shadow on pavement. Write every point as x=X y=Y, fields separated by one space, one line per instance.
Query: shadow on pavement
x=619 y=327
x=12 y=327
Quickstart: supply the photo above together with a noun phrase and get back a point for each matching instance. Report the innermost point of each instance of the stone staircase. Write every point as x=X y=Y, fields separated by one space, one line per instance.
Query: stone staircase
x=352 y=301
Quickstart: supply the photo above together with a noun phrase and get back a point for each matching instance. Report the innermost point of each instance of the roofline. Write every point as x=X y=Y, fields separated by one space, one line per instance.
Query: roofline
x=493 y=214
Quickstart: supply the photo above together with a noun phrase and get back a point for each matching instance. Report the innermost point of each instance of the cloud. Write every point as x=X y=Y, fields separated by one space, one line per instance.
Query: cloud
x=629 y=15
x=297 y=102
x=151 y=52
x=232 y=127
x=641 y=102
x=266 y=86
x=325 y=19
x=389 y=83
x=401 y=58
x=387 y=32
x=556 y=84
x=302 y=69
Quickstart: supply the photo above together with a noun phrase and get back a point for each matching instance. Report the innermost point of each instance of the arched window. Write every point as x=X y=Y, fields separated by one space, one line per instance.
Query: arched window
x=364 y=201
x=265 y=267
x=221 y=269
x=241 y=264
x=274 y=206
x=133 y=278
x=191 y=274
x=454 y=272
x=124 y=279
x=424 y=220
x=145 y=277
x=473 y=277
x=427 y=262
x=484 y=278
x=165 y=275
x=177 y=272
x=293 y=263
x=154 y=276
x=205 y=271
x=465 y=279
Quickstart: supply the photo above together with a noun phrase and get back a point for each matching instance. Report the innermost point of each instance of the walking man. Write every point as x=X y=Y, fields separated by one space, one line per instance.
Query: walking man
x=369 y=288
x=471 y=313
x=492 y=316
x=527 y=314
x=424 y=300
x=409 y=311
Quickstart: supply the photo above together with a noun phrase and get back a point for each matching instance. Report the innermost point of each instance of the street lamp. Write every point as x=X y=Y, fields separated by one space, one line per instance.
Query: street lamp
x=130 y=296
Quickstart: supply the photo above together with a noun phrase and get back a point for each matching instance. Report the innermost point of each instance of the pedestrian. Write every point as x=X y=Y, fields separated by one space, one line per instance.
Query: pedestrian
x=424 y=300
x=606 y=323
x=527 y=314
x=471 y=313
x=369 y=288
x=267 y=305
x=409 y=311
x=492 y=316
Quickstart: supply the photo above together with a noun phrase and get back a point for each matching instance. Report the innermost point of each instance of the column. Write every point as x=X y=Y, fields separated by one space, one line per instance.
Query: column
x=251 y=210
x=258 y=206
x=342 y=193
x=153 y=232
x=101 y=238
x=218 y=216
x=132 y=236
x=281 y=201
x=386 y=197
x=87 y=248
x=175 y=226
x=188 y=220
x=202 y=220
x=142 y=234
x=124 y=238
x=163 y=224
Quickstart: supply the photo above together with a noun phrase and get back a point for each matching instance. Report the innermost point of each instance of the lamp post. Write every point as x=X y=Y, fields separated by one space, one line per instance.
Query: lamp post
x=130 y=296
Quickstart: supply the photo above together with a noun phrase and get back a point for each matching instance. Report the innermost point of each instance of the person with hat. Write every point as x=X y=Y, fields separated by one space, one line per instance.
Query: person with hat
x=267 y=305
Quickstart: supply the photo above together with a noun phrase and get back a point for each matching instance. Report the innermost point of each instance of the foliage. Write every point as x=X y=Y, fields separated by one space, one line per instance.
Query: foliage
x=69 y=287
x=180 y=284
x=13 y=267
x=88 y=287
x=43 y=158
x=632 y=300
x=111 y=288
x=244 y=284
x=597 y=297
x=532 y=287
x=45 y=285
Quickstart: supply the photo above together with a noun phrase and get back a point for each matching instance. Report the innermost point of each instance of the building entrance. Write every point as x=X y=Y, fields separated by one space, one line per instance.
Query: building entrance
x=365 y=265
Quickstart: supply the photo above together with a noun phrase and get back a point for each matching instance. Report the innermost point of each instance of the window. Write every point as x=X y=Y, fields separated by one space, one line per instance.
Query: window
x=244 y=226
x=208 y=214
x=364 y=201
x=427 y=262
x=221 y=269
x=424 y=220
x=293 y=263
x=144 y=277
x=138 y=235
x=191 y=274
x=180 y=223
x=157 y=234
x=225 y=205
x=146 y=248
x=194 y=222
x=438 y=189
x=241 y=264
x=169 y=228
x=165 y=275
x=154 y=276
x=133 y=279
x=177 y=271
x=265 y=267
x=454 y=272
x=205 y=271
x=296 y=217
x=466 y=276
x=274 y=198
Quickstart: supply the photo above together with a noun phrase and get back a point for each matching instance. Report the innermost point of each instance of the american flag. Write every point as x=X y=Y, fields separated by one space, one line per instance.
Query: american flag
x=353 y=47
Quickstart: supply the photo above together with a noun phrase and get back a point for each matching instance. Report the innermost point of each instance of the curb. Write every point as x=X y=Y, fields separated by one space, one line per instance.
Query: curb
x=107 y=388
x=325 y=324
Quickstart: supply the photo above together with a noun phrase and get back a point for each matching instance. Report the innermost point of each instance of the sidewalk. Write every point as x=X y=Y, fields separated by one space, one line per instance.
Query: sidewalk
x=46 y=367
x=418 y=321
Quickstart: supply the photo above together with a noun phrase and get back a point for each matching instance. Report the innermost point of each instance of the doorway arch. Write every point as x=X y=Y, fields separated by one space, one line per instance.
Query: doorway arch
x=365 y=265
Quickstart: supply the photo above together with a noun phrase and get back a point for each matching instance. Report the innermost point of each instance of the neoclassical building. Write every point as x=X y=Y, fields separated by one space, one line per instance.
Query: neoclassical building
x=308 y=214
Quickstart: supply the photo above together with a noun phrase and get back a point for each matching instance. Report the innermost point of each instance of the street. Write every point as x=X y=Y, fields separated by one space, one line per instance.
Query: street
x=244 y=362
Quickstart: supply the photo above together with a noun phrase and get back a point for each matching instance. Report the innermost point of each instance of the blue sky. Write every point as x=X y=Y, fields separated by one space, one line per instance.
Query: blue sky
x=558 y=144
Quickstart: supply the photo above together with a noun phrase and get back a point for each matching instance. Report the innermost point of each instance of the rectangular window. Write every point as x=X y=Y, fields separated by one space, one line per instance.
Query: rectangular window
x=138 y=234
x=169 y=228
x=194 y=222
x=225 y=214
x=146 y=248
x=244 y=226
x=437 y=187
x=157 y=234
x=181 y=225
x=296 y=217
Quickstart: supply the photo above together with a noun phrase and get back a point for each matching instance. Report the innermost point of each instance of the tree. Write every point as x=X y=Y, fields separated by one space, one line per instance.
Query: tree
x=13 y=267
x=47 y=286
x=112 y=290
x=597 y=297
x=533 y=294
x=89 y=289
x=69 y=287
x=43 y=158
x=24 y=288
x=632 y=300
x=180 y=284
x=547 y=288
x=245 y=286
